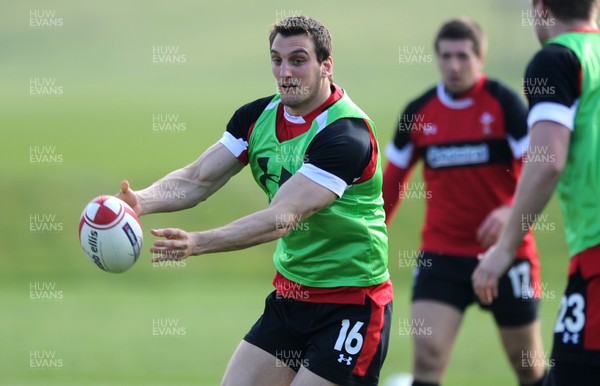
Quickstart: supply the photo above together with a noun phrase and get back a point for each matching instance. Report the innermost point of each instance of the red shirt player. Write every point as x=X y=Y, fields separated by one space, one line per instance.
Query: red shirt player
x=471 y=133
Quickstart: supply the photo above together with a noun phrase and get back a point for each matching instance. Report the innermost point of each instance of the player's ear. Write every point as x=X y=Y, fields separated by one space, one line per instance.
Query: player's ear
x=542 y=9
x=481 y=62
x=327 y=68
x=481 y=55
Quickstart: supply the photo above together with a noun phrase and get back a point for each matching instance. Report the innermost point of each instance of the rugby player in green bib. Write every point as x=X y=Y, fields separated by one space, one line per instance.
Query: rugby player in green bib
x=315 y=155
x=564 y=119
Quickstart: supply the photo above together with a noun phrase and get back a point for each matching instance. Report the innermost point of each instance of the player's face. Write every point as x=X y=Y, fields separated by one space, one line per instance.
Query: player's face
x=459 y=65
x=302 y=81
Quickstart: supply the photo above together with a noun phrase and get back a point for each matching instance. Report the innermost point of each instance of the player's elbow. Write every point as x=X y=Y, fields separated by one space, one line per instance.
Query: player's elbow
x=286 y=218
x=550 y=172
x=555 y=169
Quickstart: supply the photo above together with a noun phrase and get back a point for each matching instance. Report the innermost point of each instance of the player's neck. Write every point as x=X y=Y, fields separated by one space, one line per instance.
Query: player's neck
x=562 y=27
x=320 y=98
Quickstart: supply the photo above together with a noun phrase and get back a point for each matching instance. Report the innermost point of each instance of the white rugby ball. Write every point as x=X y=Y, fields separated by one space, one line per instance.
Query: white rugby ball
x=110 y=234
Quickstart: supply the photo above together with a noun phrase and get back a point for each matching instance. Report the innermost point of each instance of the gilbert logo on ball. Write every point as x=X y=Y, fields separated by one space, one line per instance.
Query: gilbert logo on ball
x=110 y=234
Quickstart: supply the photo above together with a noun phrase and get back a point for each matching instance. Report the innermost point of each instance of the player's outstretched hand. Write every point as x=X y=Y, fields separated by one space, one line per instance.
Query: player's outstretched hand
x=129 y=196
x=490 y=229
x=492 y=265
x=178 y=245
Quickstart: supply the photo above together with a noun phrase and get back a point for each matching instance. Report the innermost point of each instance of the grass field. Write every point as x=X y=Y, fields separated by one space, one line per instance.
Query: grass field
x=63 y=321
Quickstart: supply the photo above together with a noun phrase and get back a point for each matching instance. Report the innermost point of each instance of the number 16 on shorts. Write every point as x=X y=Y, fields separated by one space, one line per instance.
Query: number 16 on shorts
x=349 y=341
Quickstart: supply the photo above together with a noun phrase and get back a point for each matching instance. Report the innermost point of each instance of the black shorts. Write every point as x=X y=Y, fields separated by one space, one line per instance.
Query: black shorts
x=577 y=328
x=343 y=343
x=572 y=374
x=447 y=279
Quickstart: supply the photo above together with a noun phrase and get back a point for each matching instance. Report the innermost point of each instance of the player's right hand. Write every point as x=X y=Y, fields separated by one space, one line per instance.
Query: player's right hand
x=492 y=265
x=129 y=196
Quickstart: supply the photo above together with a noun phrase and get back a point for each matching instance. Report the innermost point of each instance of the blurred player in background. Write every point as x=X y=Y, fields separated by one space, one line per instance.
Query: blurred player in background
x=564 y=120
x=315 y=155
x=471 y=133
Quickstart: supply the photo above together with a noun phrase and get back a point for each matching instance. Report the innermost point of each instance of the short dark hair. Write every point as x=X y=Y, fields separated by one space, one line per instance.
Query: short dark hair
x=571 y=9
x=462 y=28
x=300 y=25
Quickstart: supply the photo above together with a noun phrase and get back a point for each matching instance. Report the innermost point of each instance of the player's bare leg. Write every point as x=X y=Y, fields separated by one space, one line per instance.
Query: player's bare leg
x=432 y=351
x=525 y=351
x=307 y=378
x=251 y=366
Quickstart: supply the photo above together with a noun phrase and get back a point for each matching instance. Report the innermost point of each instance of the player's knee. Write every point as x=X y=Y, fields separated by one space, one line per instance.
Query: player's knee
x=429 y=356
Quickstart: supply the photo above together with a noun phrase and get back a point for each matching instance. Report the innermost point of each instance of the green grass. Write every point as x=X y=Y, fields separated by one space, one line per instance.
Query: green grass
x=101 y=125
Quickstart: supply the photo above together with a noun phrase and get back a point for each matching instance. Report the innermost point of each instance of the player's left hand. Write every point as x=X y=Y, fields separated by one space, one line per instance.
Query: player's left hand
x=490 y=229
x=492 y=265
x=178 y=245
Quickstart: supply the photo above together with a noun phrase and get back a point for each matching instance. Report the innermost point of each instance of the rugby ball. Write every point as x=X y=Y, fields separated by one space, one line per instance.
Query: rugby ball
x=110 y=234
